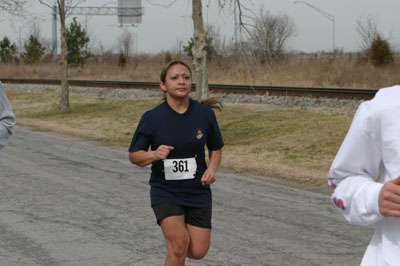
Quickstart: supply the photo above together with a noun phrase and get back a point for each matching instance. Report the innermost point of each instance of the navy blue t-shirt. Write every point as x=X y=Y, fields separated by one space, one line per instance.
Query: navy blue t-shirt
x=188 y=133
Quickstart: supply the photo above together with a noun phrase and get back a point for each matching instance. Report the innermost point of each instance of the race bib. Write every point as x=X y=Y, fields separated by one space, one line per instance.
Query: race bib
x=180 y=169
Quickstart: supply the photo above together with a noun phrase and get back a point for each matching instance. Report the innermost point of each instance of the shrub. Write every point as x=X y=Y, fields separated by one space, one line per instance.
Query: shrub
x=7 y=50
x=167 y=57
x=33 y=50
x=380 y=52
x=76 y=42
x=122 y=61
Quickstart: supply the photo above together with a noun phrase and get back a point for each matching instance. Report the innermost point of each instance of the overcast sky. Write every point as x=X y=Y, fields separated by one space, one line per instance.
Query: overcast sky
x=163 y=28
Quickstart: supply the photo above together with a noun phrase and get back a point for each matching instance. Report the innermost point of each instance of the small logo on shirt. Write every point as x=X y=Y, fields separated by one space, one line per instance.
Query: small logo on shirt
x=339 y=203
x=199 y=133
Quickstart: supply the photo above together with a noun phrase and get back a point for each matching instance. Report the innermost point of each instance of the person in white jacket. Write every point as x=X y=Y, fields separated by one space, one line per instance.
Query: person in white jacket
x=365 y=175
x=7 y=118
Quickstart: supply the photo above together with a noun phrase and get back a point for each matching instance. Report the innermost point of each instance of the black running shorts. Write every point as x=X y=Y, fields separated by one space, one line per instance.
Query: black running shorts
x=200 y=217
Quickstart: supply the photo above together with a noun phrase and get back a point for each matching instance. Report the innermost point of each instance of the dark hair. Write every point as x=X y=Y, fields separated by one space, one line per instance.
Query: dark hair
x=213 y=102
x=169 y=65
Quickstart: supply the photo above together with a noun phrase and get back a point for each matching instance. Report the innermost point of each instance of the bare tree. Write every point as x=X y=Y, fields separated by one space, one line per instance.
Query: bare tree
x=64 y=99
x=270 y=35
x=62 y=7
x=367 y=29
x=374 y=46
x=126 y=43
x=199 y=48
x=177 y=48
x=12 y=6
x=34 y=29
x=215 y=41
x=199 y=51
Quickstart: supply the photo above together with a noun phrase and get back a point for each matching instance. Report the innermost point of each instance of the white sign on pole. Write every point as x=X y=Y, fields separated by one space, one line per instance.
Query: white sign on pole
x=130 y=11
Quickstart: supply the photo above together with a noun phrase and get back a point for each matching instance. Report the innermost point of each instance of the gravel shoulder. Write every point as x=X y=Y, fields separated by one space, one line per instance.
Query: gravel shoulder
x=346 y=104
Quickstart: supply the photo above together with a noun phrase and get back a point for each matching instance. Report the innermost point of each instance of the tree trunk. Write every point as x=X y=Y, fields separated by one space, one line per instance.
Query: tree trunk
x=199 y=51
x=64 y=99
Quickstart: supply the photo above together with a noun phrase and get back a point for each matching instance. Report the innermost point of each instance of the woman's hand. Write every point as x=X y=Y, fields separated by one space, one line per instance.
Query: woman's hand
x=143 y=158
x=162 y=152
x=208 y=176
x=211 y=172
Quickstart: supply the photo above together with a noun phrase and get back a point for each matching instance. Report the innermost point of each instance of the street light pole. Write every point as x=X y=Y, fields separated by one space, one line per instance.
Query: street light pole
x=325 y=14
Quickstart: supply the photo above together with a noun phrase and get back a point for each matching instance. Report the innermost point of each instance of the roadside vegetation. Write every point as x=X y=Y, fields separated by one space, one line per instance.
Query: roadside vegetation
x=289 y=143
x=346 y=71
x=263 y=58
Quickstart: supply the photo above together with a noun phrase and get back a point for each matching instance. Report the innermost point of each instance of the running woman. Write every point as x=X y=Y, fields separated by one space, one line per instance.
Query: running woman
x=177 y=130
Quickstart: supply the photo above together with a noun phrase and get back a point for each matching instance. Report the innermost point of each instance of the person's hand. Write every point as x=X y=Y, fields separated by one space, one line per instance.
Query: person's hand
x=162 y=152
x=208 y=176
x=389 y=198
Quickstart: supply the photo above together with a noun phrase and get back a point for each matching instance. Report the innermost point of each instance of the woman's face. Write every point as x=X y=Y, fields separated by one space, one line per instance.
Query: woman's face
x=178 y=82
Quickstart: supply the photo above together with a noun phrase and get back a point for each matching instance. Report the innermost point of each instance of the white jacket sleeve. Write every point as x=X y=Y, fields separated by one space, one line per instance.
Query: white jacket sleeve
x=7 y=118
x=356 y=167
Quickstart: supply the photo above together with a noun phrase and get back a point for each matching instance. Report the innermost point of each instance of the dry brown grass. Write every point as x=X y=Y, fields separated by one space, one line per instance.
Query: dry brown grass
x=344 y=72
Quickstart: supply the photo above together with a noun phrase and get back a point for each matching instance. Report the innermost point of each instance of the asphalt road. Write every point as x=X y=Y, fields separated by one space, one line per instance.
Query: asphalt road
x=66 y=201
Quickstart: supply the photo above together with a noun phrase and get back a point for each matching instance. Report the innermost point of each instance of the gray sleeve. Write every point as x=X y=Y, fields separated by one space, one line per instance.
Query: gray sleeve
x=7 y=118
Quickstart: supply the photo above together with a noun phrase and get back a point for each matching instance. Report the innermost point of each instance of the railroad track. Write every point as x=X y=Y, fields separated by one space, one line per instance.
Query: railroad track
x=348 y=93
